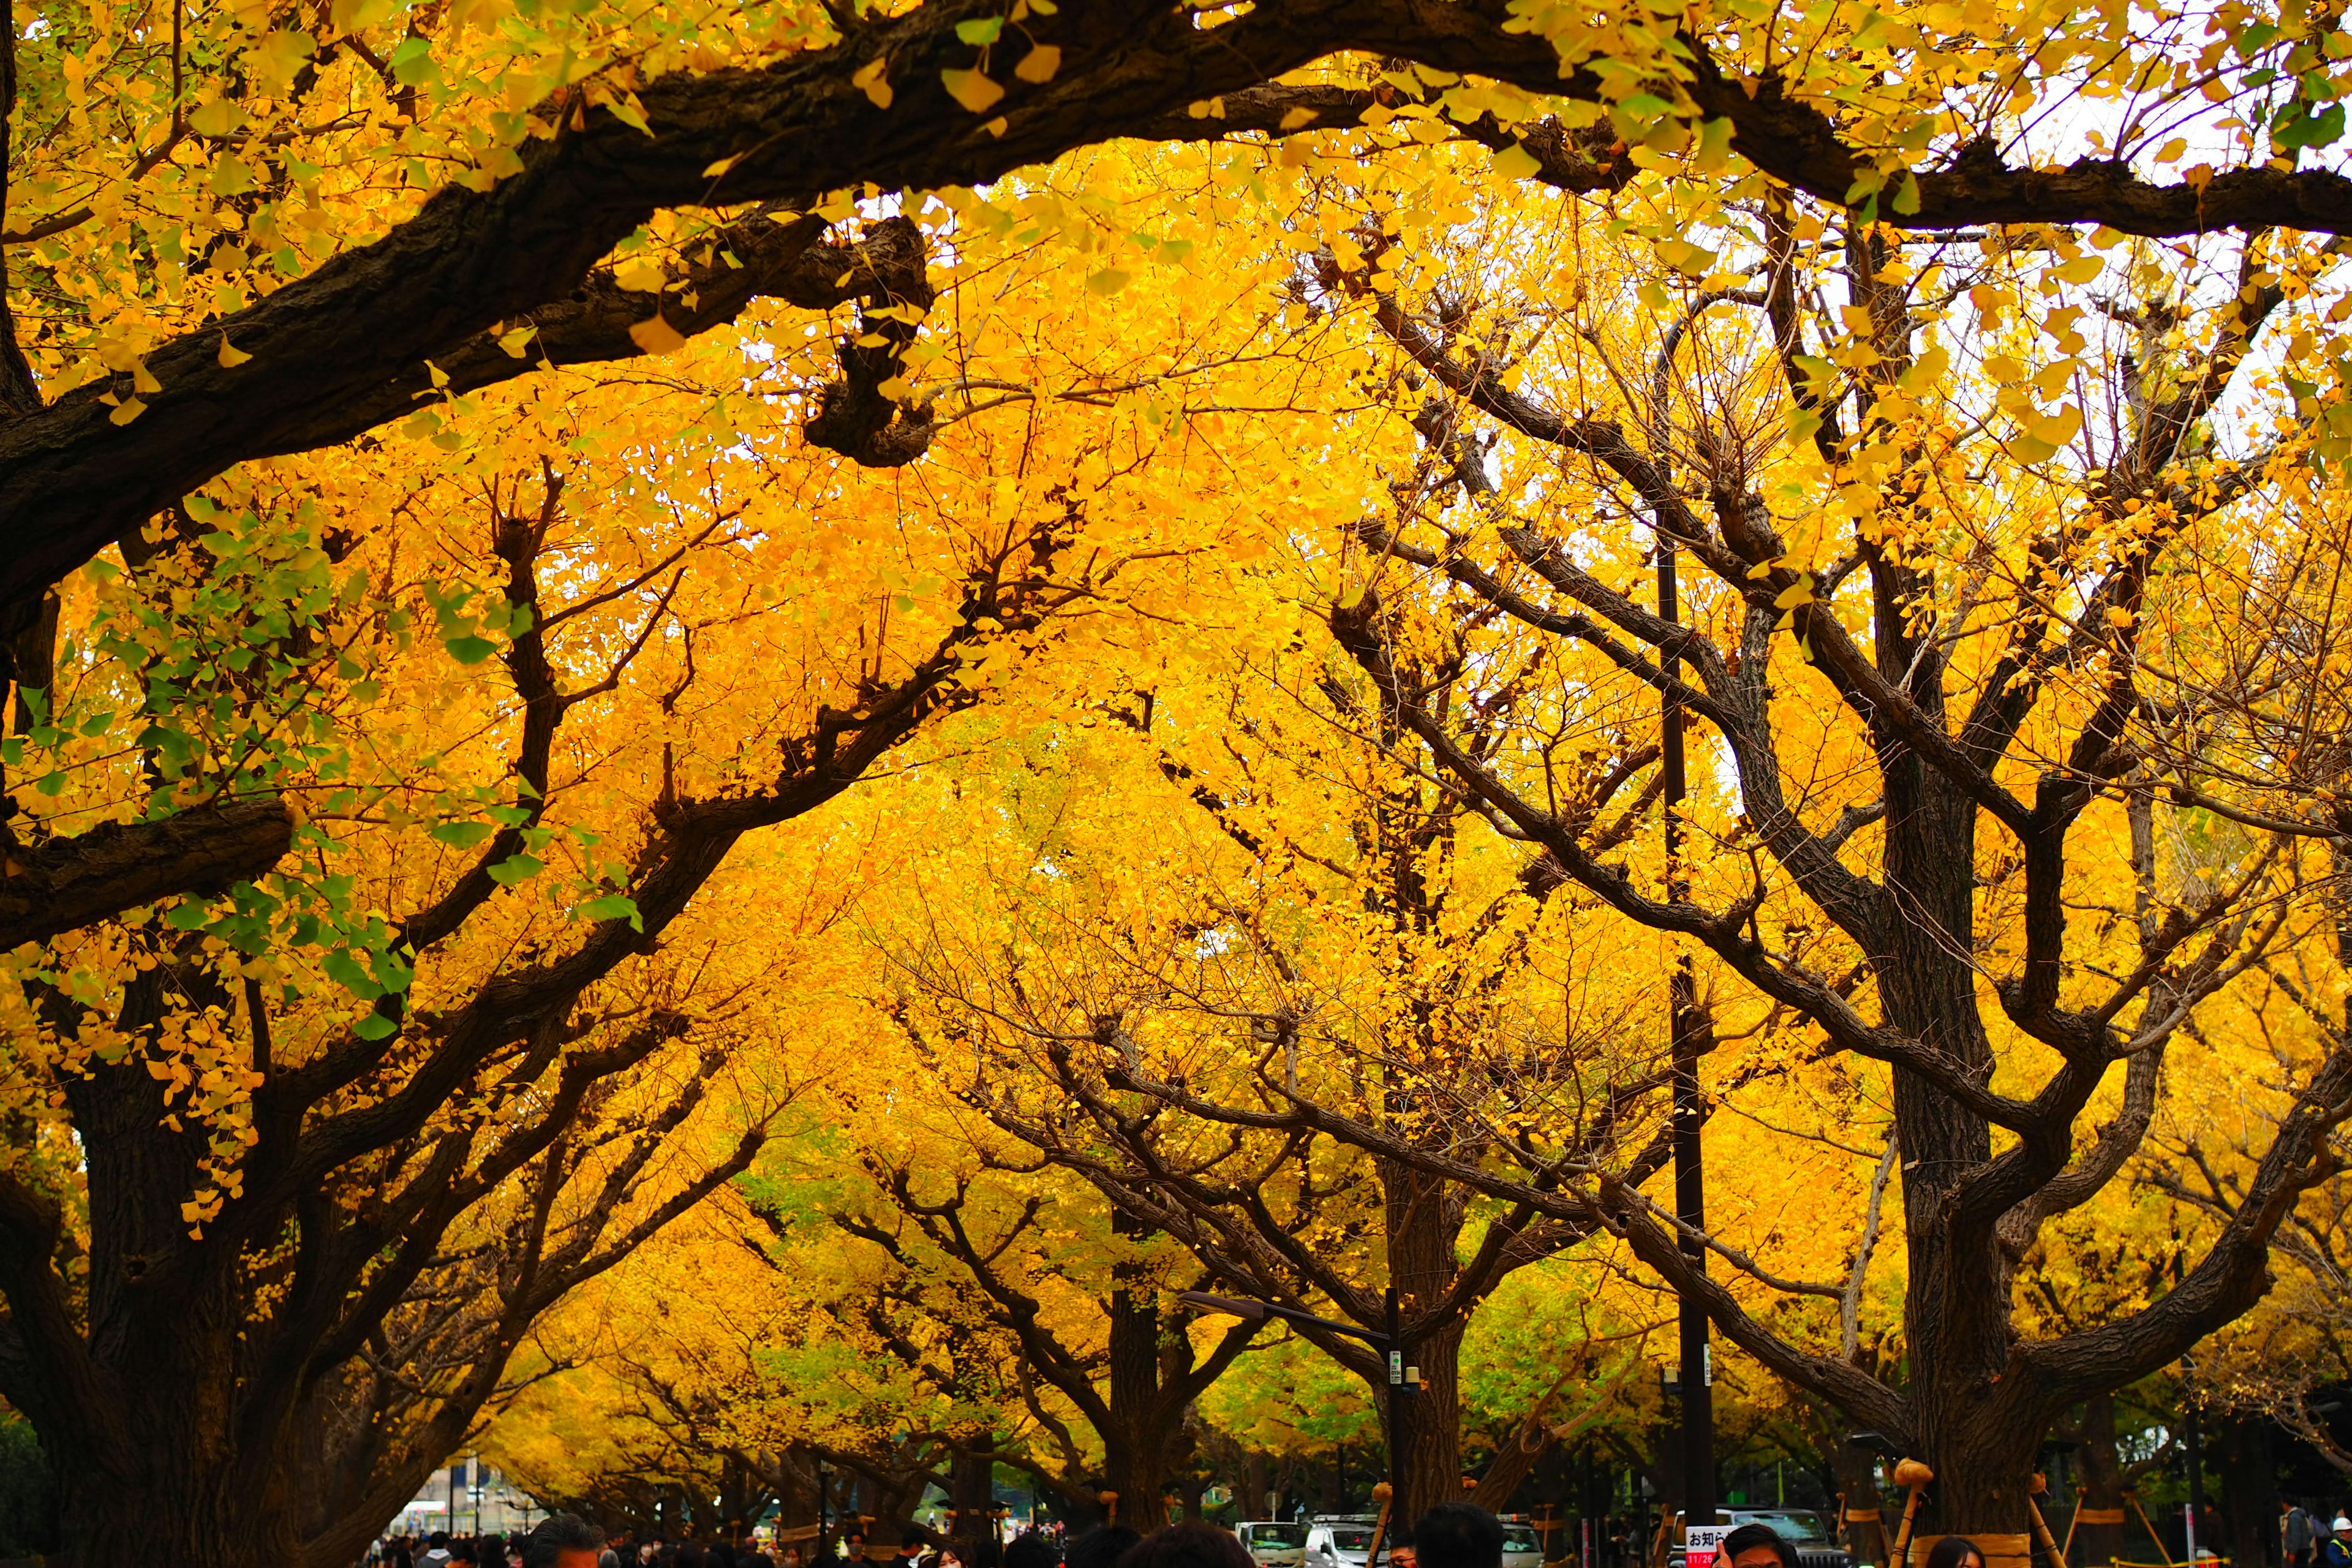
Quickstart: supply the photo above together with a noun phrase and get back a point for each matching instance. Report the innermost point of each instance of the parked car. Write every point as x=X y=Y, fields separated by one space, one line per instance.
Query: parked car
x=1273 y=1543
x=1341 y=1541
x=1522 y=1548
x=1800 y=1528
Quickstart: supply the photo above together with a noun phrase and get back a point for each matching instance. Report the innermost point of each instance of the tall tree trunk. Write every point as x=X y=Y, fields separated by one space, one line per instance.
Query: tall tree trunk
x=2103 y=1485
x=1422 y=1265
x=1855 y=1469
x=972 y=1493
x=2249 y=1491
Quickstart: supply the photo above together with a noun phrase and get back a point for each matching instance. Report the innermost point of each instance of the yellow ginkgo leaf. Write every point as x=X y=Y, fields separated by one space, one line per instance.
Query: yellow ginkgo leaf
x=1298 y=119
x=640 y=275
x=230 y=356
x=127 y=412
x=1039 y=63
x=1516 y=163
x=142 y=379
x=867 y=79
x=654 y=335
x=971 y=89
x=513 y=342
x=1800 y=592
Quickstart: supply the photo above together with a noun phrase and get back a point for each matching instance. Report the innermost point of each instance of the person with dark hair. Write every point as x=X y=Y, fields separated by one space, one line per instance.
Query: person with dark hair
x=1760 y=1546
x=1402 y=1553
x=562 y=1541
x=1102 y=1548
x=1031 y=1549
x=1458 y=1535
x=1949 y=1552
x=1191 y=1544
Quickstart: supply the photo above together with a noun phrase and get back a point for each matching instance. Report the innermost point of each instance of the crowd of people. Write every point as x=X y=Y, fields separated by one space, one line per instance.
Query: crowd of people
x=1452 y=1535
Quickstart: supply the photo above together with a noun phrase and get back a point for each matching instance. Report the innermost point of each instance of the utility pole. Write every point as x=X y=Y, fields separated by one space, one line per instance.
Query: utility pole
x=1686 y=1028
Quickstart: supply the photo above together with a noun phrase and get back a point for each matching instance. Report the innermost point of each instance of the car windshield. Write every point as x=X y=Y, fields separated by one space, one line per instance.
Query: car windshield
x=1520 y=1537
x=1277 y=1534
x=1796 y=1528
x=1352 y=1537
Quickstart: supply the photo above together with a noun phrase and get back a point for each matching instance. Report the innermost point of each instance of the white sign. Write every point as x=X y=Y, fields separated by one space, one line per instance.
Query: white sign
x=1699 y=1543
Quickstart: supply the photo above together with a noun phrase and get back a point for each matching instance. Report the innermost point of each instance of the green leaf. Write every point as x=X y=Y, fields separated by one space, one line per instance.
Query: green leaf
x=980 y=31
x=374 y=1027
x=463 y=834
x=345 y=970
x=516 y=869
x=189 y=916
x=469 y=648
x=614 y=907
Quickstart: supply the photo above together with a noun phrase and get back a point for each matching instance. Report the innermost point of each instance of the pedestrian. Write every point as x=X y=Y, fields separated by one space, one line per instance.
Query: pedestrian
x=1196 y=1544
x=1031 y=1549
x=1458 y=1535
x=437 y=1551
x=790 y=1556
x=1402 y=1553
x=1761 y=1546
x=561 y=1540
x=2294 y=1534
x=1103 y=1546
x=1949 y=1552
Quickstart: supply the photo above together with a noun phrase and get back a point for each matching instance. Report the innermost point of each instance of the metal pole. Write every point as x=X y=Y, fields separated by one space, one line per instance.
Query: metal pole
x=1690 y=1189
x=824 y=1516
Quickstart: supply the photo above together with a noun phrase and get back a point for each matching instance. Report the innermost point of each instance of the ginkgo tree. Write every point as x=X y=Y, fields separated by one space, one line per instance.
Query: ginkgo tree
x=463 y=1044
x=1993 y=792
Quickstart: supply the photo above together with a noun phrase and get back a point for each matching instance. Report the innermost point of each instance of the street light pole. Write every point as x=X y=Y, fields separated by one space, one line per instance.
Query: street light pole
x=1685 y=1026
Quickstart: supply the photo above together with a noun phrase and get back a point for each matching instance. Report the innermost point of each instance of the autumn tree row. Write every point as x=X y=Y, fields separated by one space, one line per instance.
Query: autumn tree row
x=472 y=471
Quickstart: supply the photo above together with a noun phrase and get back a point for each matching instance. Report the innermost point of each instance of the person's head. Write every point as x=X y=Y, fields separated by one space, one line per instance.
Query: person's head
x=1458 y=1535
x=1951 y=1552
x=910 y=1546
x=562 y=1541
x=1031 y=1549
x=1102 y=1548
x=1191 y=1544
x=1760 y=1546
x=1402 y=1553
x=439 y=1541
